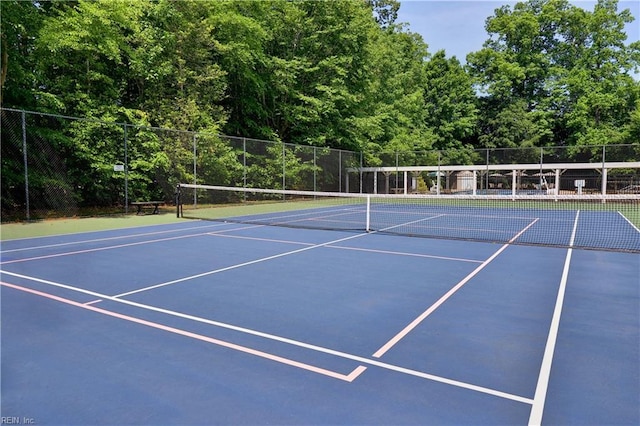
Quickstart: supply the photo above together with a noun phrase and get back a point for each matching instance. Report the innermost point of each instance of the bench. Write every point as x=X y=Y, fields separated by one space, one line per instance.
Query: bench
x=142 y=204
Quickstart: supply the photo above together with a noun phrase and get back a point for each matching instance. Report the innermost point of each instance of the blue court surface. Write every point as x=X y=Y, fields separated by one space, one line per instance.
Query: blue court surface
x=201 y=322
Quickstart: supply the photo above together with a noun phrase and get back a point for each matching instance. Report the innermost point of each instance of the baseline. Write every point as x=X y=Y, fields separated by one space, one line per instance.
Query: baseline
x=349 y=377
x=72 y=253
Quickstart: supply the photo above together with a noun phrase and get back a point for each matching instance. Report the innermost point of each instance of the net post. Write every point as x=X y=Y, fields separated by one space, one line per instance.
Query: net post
x=368 y=220
x=178 y=196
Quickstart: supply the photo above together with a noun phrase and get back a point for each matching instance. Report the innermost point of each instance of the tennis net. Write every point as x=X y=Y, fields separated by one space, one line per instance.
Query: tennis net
x=608 y=222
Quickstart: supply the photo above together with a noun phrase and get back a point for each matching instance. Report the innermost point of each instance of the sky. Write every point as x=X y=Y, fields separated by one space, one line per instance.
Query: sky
x=458 y=26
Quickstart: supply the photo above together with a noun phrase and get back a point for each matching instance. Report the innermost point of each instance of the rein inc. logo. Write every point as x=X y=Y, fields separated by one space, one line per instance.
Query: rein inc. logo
x=15 y=420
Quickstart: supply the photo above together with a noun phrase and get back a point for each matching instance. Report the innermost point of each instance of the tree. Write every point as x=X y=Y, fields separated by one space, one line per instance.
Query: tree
x=20 y=22
x=564 y=70
x=451 y=110
x=394 y=114
x=85 y=54
x=178 y=78
x=318 y=54
x=600 y=92
x=385 y=11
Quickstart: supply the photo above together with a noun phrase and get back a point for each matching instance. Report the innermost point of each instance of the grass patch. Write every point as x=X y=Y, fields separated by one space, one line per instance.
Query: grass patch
x=12 y=231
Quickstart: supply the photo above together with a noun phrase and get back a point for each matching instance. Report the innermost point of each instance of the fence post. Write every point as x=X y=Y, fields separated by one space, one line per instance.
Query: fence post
x=244 y=168
x=340 y=171
x=284 y=168
x=26 y=165
x=361 y=166
x=542 y=179
x=438 y=174
x=195 y=169
x=397 y=172
x=126 y=171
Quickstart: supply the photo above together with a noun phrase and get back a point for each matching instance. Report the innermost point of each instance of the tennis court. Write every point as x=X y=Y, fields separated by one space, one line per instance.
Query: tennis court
x=234 y=321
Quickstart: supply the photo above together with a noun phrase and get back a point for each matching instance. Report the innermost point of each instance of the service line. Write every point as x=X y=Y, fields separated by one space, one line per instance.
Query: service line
x=445 y=297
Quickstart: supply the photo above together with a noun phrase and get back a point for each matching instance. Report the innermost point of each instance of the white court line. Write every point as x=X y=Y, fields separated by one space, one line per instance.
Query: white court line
x=483 y=216
x=628 y=221
x=263 y=259
x=325 y=218
x=484 y=230
x=303 y=215
x=268 y=219
x=424 y=219
x=267 y=240
x=346 y=377
x=402 y=253
x=71 y=253
x=535 y=417
x=97 y=240
x=292 y=342
x=398 y=253
x=239 y=265
x=445 y=297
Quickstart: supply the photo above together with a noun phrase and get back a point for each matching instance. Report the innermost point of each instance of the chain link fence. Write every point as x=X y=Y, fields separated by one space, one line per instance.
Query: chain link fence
x=57 y=166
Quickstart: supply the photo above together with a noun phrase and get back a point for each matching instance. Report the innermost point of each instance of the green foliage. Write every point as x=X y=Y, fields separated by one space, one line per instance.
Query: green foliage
x=341 y=74
x=556 y=74
x=20 y=22
x=422 y=186
x=450 y=102
x=385 y=11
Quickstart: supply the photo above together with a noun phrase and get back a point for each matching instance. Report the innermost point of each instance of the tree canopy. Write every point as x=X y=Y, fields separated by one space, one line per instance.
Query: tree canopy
x=341 y=74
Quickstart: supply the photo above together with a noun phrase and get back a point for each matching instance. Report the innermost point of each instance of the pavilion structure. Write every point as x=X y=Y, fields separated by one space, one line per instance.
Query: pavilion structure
x=468 y=177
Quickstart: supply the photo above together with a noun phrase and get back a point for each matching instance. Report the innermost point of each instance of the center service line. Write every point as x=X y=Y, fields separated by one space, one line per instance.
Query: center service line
x=263 y=259
x=445 y=297
x=540 y=396
x=239 y=265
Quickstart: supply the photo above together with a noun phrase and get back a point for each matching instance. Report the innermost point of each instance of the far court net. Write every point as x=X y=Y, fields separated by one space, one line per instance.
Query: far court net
x=603 y=222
